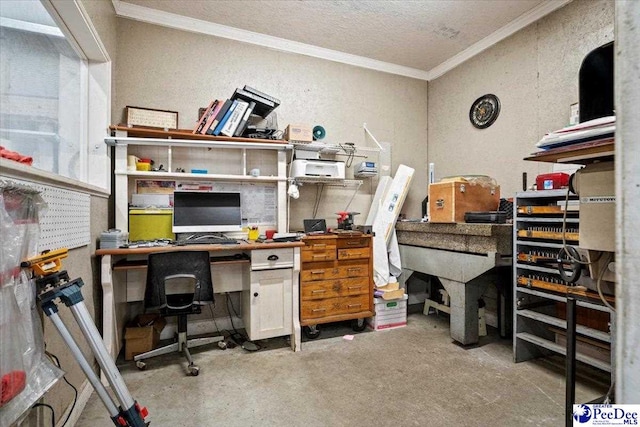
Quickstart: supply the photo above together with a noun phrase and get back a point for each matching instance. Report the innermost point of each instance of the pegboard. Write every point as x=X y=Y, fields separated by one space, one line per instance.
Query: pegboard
x=66 y=221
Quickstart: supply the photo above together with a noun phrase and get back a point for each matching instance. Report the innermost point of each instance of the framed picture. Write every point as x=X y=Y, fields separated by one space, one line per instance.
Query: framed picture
x=150 y=117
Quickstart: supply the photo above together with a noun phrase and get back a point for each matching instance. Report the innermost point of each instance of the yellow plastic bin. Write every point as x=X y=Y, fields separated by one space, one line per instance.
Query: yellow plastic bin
x=150 y=224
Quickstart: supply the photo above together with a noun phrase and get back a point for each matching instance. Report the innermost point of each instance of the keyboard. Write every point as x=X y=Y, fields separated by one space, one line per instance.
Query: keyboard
x=209 y=241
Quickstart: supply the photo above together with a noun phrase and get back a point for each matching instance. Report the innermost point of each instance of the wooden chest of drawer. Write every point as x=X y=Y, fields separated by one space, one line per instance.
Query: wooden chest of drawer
x=327 y=307
x=334 y=288
x=328 y=270
x=336 y=278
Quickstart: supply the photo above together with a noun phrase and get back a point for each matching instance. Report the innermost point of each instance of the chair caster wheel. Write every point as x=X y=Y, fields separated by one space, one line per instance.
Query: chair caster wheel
x=222 y=345
x=141 y=365
x=193 y=370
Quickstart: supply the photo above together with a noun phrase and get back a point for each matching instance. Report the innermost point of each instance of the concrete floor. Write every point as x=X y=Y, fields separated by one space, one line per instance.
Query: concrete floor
x=409 y=376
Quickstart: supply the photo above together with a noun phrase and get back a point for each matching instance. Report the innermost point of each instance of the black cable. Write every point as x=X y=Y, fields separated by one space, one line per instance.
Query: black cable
x=53 y=413
x=573 y=274
x=56 y=361
x=231 y=316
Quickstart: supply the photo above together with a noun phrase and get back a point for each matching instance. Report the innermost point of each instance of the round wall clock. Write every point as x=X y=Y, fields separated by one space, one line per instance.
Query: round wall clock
x=484 y=111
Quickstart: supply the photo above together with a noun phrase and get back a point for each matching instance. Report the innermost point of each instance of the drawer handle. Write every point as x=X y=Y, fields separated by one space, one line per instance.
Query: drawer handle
x=315 y=310
x=317 y=272
x=273 y=257
x=354 y=305
x=318 y=291
x=354 y=269
x=355 y=287
x=353 y=243
x=319 y=246
x=323 y=256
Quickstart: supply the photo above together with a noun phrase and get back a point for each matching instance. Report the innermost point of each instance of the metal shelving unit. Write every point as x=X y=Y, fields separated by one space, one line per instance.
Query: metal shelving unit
x=540 y=294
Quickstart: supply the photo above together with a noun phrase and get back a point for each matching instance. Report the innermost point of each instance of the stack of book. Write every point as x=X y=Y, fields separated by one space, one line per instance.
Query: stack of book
x=230 y=117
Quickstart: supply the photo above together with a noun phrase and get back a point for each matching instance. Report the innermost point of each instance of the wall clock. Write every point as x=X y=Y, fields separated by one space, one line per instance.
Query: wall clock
x=484 y=111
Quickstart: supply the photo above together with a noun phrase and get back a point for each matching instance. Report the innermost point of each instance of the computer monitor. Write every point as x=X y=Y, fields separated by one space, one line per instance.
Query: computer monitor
x=202 y=212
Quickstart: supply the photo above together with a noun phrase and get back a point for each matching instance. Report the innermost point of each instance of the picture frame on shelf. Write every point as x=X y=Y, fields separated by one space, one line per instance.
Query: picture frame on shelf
x=151 y=117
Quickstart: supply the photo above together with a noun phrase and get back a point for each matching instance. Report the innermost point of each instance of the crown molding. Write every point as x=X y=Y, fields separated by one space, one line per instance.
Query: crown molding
x=170 y=20
x=511 y=28
x=166 y=19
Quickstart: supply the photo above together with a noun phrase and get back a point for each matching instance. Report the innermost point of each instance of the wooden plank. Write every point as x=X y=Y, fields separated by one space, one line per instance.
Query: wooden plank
x=549 y=235
x=539 y=210
x=582 y=153
x=144 y=132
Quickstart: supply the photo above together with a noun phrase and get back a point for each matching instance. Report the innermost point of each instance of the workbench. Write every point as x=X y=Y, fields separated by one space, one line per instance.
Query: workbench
x=466 y=258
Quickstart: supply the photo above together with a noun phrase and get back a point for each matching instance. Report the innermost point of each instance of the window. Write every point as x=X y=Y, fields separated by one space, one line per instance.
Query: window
x=42 y=90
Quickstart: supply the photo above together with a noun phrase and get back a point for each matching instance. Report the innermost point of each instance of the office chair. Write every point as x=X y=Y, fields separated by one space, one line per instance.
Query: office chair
x=178 y=284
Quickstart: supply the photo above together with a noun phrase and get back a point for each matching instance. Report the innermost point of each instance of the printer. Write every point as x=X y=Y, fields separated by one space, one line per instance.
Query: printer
x=304 y=168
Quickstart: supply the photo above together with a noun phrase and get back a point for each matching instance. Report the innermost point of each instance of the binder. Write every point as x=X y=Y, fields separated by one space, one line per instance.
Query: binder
x=222 y=122
x=223 y=110
x=245 y=120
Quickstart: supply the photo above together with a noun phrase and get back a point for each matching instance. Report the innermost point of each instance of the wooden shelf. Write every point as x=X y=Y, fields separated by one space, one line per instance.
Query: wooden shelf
x=581 y=153
x=186 y=134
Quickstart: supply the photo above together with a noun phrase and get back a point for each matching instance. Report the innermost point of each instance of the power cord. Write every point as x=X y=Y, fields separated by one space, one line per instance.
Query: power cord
x=244 y=340
x=53 y=413
x=56 y=361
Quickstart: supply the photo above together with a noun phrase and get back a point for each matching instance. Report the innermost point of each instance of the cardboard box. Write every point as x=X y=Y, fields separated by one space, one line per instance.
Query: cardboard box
x=390 y=314
x=450 y=200
x=142 y=334
x=302 y=133
x=150 y=224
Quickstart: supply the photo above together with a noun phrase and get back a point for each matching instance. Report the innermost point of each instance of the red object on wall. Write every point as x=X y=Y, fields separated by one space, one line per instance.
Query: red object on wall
x=552 y=181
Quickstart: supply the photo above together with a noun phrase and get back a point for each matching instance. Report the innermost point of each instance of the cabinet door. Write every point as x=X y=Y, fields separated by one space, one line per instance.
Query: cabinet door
x=270 y=304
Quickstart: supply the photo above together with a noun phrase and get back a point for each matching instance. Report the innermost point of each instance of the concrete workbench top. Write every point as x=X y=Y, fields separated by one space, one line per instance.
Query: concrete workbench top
x=461 y=237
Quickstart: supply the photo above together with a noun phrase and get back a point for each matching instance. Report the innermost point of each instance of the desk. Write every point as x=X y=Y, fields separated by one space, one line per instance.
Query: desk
x=268 y=277
x=463 y=257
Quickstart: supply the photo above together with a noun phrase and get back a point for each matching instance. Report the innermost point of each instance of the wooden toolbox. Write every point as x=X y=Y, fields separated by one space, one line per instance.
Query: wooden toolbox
x=450 y=200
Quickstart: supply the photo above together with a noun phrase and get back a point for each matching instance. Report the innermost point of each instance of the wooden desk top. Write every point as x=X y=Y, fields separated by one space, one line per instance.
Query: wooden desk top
x=211 y=248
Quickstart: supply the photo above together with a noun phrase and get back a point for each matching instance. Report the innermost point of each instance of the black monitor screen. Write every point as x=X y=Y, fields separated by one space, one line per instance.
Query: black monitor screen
x=196 y=211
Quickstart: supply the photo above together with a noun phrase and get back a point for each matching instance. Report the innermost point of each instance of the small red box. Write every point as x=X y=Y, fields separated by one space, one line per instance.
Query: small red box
x=552 y=181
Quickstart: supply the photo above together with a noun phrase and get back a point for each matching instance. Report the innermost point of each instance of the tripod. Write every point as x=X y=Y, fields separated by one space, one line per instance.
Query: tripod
x=56 y=286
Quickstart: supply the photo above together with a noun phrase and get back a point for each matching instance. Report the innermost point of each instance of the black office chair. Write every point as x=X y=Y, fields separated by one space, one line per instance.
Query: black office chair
x=178 y=284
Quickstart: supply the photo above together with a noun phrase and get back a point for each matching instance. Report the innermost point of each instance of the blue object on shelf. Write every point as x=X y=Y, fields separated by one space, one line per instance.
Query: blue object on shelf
x=198 y=171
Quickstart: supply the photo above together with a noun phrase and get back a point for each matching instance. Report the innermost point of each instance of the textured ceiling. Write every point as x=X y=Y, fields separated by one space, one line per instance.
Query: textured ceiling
x=420 y=34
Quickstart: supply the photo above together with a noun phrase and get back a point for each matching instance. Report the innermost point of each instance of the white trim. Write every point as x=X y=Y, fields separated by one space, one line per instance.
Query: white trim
x=511 y=28
x=83 y=398
x=12 y=169
x=75 y=23
x=32 y=27
x=170 y=20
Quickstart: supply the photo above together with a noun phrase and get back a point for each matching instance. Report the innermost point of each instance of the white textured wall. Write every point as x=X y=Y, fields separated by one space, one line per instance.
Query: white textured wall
x=176 y=70
x=535 y=75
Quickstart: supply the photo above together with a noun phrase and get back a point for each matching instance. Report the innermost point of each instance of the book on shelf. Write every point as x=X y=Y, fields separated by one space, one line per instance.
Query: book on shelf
x=263 y=106
x=219 y=116
x=245 y=119
x=276 y=101
x=231 y=125
x=212 y=116
x=223 y=121
x=203 y=118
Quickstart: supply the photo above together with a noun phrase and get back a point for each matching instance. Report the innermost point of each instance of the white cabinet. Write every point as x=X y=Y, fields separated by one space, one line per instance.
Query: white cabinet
x=267 y=305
